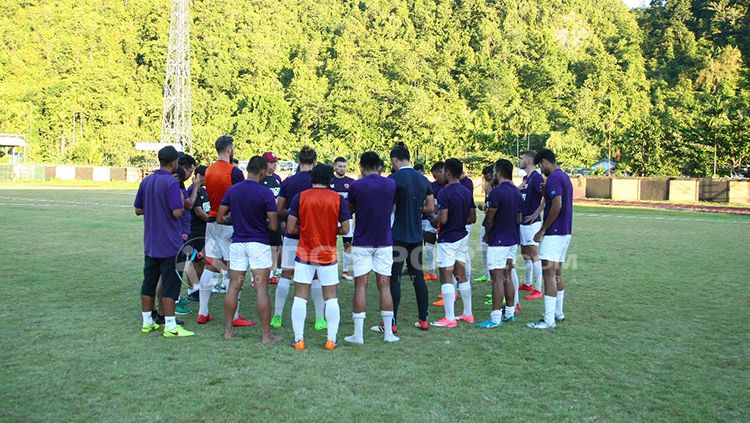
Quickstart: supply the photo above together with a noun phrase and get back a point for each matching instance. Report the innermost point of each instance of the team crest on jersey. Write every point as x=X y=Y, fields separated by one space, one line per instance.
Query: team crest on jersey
x=346 y=186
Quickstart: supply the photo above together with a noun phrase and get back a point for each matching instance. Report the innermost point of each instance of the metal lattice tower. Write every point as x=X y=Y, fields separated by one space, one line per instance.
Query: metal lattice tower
x=177 y=127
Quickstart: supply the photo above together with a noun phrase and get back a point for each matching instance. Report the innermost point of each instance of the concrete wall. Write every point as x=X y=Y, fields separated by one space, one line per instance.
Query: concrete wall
x=65 y=173
x=739 y=192
x=683 y=190
x=715 y=190
x=599 y=187
x=626 y=189
x=655 y=189
x=101 y=174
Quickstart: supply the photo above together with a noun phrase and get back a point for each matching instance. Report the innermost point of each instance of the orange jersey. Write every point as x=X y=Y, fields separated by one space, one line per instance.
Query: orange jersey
x=219 y=177
x=319 y=212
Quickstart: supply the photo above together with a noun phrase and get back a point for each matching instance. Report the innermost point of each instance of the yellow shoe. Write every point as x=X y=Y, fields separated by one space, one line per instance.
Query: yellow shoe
x=177 y=332
x=148 y=328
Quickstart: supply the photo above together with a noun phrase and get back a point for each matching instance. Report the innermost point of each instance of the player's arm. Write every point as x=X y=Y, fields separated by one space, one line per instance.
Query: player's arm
x=281 y=204
x=429 y=204
x=138 y=203
x=472 y=217
x=443 y=217
x=489 y=220
x=202 y=215
x=273 y=220
x=291 y=225
x=222 y=214
x=532 y=217
x=344 y=217
x=554 y=211
x=190 y=201
x=344 y=228
x=518 y=218
x=174 y=200
x=139 y=212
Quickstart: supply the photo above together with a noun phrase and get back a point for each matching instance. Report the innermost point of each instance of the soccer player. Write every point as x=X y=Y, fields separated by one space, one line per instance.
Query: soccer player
x=272 y=181
x=501 y=221
x=197 y=239
x=469 y=185
x=371 y=199
x=290 y=187
x=253 y=210
x=531 y=206
x=315 y=215
x=219 y=177
x=159 y=201
x=488 y=182
x=419 y=167
x=429 y=232
x=340 y=183
x=554 y=237
x=457 y=209
x=413 y=198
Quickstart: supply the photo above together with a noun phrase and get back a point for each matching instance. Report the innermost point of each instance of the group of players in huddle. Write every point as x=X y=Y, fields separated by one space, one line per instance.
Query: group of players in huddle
x=386 y=223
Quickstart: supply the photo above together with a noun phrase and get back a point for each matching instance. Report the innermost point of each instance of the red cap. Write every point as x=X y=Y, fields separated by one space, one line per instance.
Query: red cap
x=270 y=157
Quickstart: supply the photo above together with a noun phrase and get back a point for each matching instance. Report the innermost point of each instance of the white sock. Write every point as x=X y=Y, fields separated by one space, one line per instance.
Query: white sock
x=538 y=275
x=282 y=290
x=454 y=281
x=449 y=299
x=333 y=316
x=509 y=312
x=388 y=326
x=496 y=316
x=170 y=322
x=359 y=324
x=465 y=290
x=147 y=318
x=514 y=277
x=429 y=256
x=224 y=279
x=468 y=266
x=318 y=301
x=206 y=283
x=347 y=261
x=549 y=309
x=559 y=303
x=299 y=313
x=528 y=272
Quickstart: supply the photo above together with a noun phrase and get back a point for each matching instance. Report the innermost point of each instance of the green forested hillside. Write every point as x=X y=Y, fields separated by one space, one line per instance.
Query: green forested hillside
x=662 y=88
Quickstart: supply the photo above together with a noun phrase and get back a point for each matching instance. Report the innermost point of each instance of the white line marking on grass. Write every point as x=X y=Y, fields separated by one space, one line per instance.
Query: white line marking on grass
x=685 y=219
x=34 y=202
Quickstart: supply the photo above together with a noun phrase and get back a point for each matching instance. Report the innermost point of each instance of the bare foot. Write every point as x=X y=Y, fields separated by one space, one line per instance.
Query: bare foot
x=270 y=339
x=230 y=334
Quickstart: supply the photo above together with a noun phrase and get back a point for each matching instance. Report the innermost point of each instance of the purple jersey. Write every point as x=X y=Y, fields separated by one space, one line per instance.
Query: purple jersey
x=531 y=195
x=372 y=198
x=436 y=187
x=292 y=186
x=159 y=194
x=558 y=184
x=468 y=184
x=341 y=185
x=248 y=203
x=506 y=198
x=458 y=201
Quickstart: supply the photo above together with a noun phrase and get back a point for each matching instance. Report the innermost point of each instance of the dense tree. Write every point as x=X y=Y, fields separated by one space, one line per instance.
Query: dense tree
x=663 y=89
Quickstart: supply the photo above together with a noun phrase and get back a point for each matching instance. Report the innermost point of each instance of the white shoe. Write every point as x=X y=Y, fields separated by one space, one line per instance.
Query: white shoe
x=377 y=329
x=354 y=340
x=541 y=325
x=347 y=276
x=392 y=338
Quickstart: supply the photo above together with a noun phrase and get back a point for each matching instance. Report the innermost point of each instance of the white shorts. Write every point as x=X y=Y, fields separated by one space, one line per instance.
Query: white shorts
x=288 y=253
x=498 y=256
x=528 y=232
x=448 y=253
x=349 y=234
x=427 y=227
x=218 y=240
x=244 y=256
x=554 y=248
x=328 y=274
x=514 y=253
x=367 y=259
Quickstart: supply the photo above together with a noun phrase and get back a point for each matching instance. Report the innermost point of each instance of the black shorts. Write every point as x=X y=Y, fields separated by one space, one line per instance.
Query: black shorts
x=347 y=239
x=198 y=243
x=153 y=269
x=276 y=240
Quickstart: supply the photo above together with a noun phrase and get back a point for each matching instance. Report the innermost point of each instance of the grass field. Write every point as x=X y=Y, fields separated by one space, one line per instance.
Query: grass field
x=656 y=330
